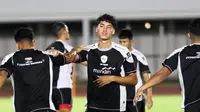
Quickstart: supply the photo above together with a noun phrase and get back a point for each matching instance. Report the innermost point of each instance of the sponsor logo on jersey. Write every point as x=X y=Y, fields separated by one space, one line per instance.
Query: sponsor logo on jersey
x=29 y=61
x=194 y=57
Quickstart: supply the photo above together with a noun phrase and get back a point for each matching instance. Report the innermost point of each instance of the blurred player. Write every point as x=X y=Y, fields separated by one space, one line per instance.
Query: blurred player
x=31 y=74
x=110 y=66
x=186 y=60
x=62 y=84
x=126 y=39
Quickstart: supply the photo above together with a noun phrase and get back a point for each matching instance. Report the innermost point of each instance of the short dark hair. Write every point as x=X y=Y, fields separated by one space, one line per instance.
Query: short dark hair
x=108 y=18
x=194 y=27
x=125 y=33
x=24 y=34
x=57 y=27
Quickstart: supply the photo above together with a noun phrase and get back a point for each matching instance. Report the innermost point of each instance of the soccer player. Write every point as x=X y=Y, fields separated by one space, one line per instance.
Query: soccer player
x=110 y=67
x=31 y=73
x=62 y=84
x=186 y=60
x=126 y=39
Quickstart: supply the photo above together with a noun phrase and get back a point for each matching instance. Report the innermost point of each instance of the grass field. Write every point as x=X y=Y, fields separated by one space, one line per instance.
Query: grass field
x=168 y=103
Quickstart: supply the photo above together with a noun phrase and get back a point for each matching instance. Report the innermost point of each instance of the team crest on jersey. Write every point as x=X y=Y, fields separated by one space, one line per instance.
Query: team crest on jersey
x=104 y=58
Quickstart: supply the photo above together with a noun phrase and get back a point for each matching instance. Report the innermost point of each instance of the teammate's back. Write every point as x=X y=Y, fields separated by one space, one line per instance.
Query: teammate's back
x=32 y=78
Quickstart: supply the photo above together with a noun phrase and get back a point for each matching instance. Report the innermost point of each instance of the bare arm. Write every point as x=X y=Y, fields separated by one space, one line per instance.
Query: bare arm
x=130 y=79
x=148 y=91
x=3 y=77
x=156 y=79
x=104 y=80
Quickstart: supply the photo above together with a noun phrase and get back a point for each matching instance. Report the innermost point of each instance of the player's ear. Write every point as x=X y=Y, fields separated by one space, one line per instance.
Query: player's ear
x=113 y=32
x=97 y=29
x=17 y=45
x=33 y=43
x=132 y=41
x=189 y=35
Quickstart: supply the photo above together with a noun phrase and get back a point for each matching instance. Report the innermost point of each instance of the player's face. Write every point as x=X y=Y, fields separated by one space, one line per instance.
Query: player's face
x=65 y=33
x=125 y=42
x=105 y=30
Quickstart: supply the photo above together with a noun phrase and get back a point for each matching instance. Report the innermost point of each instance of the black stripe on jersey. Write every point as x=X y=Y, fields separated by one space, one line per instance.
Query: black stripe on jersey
x=143 y=68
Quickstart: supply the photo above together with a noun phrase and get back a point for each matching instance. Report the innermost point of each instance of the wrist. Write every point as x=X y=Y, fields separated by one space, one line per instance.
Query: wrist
x=113 y=79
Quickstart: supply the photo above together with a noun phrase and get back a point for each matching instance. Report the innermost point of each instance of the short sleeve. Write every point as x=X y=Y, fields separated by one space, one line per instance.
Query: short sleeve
x=7 y=66
x=171 y=62
x=82 y=56
x=143 y=68
x=58 y=60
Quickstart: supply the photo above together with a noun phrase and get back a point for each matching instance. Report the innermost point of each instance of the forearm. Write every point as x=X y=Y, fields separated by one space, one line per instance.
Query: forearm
x=157 y=78
x=146 y=77
x=130 y=79
x=3 y=77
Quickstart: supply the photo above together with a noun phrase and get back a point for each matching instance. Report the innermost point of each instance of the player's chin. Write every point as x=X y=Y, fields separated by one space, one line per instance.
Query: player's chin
x=105 y=38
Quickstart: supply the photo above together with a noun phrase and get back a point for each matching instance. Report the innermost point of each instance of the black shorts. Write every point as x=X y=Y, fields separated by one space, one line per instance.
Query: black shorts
x=46 y=110
x=131 y=108
x=195 y=107
x=62 y=96
x=96 y=110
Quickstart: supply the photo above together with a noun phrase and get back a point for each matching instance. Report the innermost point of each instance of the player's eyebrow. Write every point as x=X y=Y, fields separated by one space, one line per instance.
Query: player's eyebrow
x=101 y=24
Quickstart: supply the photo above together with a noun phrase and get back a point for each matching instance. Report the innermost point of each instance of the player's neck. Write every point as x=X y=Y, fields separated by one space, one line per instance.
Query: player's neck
x=62 y=39
x=130 y=48
x=104 y=43
x=26 y=47
x=196 y=42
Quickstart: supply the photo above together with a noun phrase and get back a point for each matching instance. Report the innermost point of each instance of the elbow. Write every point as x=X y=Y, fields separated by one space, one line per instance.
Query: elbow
x=135 y=81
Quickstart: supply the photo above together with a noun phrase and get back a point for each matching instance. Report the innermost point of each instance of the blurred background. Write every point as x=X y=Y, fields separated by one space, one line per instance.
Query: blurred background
x=159 y=27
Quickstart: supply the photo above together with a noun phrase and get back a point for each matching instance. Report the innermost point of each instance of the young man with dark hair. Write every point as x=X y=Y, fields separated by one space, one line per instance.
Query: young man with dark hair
x=110 y=67
x=62 y=84
x=31 y=74
x=186 y=60
x=143 y=73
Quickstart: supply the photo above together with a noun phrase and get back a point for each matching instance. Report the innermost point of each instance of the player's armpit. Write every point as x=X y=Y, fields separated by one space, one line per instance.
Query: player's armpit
x=3 y=77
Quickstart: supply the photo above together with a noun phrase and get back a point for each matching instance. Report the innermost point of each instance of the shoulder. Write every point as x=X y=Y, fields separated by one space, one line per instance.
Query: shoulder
x=140 y=56
x=177 y=51
x=56 y=44
x=68 y=47
x=123 y=50
x=7 y=57
x=92 y=46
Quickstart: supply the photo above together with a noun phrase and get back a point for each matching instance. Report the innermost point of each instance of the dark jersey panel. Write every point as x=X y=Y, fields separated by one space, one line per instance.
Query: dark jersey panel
x=131 y=88
x=32 y=78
